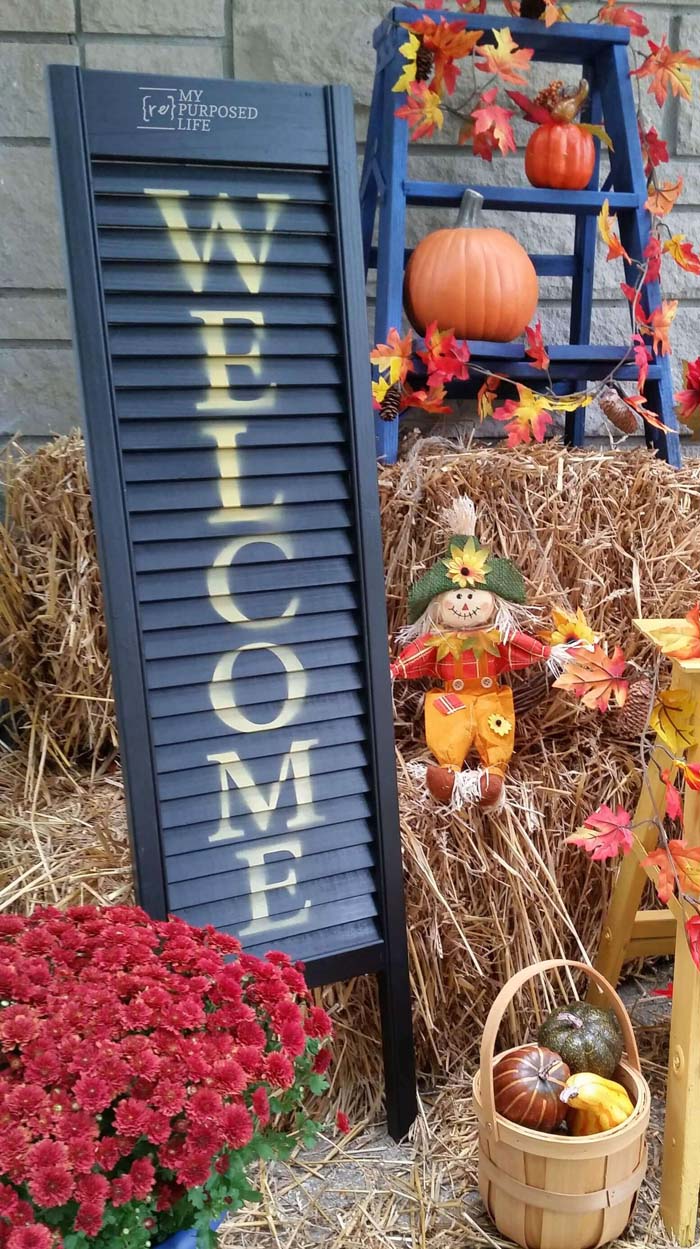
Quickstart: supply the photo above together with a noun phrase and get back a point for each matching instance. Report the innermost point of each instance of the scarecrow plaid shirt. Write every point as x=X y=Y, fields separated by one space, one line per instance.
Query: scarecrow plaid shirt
x=419 y=658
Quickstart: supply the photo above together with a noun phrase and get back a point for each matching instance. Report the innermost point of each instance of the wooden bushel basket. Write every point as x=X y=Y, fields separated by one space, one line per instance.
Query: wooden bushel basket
x=549 y=1191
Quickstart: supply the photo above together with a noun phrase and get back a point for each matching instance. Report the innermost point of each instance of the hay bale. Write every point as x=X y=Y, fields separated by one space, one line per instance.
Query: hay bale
x=616 y=533
x=54 y=666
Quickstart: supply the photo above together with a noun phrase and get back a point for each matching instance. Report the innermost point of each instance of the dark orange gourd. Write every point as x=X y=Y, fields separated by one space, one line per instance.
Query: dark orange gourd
x=528 y=1083
x=475 y=280
x=561 y=155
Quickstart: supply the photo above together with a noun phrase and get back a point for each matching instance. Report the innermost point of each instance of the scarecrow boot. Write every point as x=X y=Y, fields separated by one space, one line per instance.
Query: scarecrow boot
x=491 y=788
x=440 y=782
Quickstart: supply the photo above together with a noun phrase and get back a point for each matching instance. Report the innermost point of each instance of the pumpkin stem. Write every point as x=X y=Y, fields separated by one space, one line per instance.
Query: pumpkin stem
x=470 y=209
x=565 y=1017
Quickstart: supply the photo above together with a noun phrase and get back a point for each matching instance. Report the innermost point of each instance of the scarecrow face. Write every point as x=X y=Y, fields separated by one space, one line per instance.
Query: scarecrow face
x=465 y=609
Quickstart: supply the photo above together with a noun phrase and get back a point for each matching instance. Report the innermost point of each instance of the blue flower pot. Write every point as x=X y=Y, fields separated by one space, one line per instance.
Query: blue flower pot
x=187 y=1238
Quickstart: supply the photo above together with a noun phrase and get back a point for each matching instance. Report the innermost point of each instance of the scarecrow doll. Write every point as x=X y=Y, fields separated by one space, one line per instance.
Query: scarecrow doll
x=466 y=615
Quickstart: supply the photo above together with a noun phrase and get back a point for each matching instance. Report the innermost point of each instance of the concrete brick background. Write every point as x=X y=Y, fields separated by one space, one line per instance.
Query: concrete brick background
x=298 y=40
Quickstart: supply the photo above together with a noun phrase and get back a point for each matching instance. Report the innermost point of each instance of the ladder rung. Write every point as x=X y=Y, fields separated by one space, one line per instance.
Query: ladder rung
x=576 y=360
x=520 y=199
x=546 y=266
x=572 y=38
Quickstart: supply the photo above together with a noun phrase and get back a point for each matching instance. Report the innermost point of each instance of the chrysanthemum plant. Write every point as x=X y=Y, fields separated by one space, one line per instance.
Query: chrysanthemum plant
x=673 y=718
x=144 y=1068
x=436 y=53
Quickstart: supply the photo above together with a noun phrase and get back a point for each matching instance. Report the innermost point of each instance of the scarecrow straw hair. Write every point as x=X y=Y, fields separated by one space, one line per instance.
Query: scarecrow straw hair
x=617 y=534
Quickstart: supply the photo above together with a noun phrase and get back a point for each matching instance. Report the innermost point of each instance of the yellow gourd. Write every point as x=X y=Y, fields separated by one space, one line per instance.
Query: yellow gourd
x=595 y=1104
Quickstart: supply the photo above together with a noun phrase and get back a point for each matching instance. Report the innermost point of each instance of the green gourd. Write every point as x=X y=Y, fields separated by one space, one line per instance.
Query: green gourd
x=588 y=1038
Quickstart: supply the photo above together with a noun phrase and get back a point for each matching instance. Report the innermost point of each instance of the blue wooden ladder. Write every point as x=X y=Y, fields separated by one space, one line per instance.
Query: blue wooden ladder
x=387 y=191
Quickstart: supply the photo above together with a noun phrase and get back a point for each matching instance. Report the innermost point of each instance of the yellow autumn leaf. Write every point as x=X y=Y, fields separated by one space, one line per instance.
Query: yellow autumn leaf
x=568 y=628
x=567 y=403
x=673 y=719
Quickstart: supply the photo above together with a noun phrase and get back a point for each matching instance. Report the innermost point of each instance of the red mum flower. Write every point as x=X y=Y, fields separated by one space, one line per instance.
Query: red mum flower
x=47 y=1154
x=11 y=924
x=92 y=1093
x=167 y=1195
x=89 y=1219
x=250 y=1033
x=279 y=1071
x=131 y=1116
x=193 y=1170
x=205 y=1106
x=228 y=1076
x=278 y=959
x=294 y=980
x=51 y=1186
x=261 y=1106
x=237 y=1125
x=36 y=1237
x=293 y=1039
x=14 y=1142
x=318 y=1023
x=92 y=1190
x=251 y=1059
x=120 y=1190
x=143 y=1177
x=169 y=1095
x=18 y=1026
x=322 y=1061
x=9 y=1202
x=342 y=1122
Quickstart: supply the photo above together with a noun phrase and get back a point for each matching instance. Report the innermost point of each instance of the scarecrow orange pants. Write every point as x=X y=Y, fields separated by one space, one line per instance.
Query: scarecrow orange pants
x=485 y=720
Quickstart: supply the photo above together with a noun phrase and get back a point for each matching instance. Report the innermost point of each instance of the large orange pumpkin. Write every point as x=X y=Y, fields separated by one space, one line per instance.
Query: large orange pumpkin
x=477 y=281
x=561 y=155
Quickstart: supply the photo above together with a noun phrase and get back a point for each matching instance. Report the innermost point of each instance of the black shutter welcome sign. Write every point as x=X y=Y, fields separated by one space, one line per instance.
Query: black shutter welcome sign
x=213 y=243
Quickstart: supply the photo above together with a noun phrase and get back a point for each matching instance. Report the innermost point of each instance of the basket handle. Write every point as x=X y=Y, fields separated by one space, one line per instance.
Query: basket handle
x=506 y=995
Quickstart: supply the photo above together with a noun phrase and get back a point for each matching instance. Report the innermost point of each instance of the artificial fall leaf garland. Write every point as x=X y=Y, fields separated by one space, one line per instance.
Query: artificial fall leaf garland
x=605 y=833
x=434 y=53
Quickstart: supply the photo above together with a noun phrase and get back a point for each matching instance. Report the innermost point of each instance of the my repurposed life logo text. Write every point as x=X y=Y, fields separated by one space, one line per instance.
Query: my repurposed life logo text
x=174 y=108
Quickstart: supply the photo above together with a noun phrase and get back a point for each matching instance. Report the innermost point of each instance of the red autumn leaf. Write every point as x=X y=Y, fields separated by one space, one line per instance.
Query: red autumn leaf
x=682 y=252
x=629 y=292
x=652 y=255
x=668 y=70
x=685 y=859
x=444 y=357
x=431 y=399
x=535 y=347
x=616 y=15
x=691 y=774
x=605 y=833
x=638 y=404
x=692 y=932
x=504 y=58
x=654 y=148
x=674 y=803
x=493 y=120
x=595 y=677
x=661 y=199
x=422 y=110
x=667 y=992
x=688 y=399
x=512 y=7
x=641 y=359
x=472 y=6
x=433 y=4
x=536 y=113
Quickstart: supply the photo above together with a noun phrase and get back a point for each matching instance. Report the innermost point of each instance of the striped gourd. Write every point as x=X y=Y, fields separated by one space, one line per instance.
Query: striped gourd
x=527 y=1085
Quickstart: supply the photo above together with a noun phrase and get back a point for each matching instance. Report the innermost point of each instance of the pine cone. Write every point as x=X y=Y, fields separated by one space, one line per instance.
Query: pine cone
x=391 y=403
x=425 y=61
x=617 y=411
x=551 y=95
x=629 y=722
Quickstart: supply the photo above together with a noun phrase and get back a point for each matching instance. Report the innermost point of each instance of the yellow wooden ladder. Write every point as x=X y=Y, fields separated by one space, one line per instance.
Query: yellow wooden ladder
x=630 y=933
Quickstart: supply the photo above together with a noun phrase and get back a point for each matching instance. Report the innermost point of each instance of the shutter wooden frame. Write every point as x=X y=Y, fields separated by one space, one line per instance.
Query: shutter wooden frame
x=93 y=119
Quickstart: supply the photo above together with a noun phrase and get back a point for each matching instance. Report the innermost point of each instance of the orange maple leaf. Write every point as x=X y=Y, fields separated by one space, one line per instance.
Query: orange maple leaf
x=658 y=324
x=692 y=932
x=679 y=639
x=687 y=864
x=422 y=110
x=682 y=252
x=667 y=70
x=623 y=17
x=393 y=356
x=494 y=120
x=444 y=357
x=528 y=417
x=688 y=399
x=661 y=199
x=535 y=347
x=595 y=677
x=615 y=248
x=505 y=58
x=486 y=397
x=449 y=42
x=430 y=399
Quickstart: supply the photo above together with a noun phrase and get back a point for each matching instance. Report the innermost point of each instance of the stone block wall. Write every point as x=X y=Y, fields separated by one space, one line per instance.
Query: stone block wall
x=298 y=40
